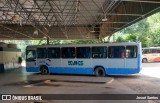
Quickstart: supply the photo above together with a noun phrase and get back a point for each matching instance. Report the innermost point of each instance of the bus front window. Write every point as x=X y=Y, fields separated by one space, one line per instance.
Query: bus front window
x=31 y=55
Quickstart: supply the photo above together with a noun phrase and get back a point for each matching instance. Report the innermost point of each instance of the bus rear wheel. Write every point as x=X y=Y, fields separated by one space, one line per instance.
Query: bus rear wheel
x=99 y=71
x=44 y=70
x=144 y=60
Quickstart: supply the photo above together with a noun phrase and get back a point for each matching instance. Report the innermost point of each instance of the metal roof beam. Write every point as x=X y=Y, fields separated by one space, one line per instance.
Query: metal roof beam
x=143 y=1
x=16 y=31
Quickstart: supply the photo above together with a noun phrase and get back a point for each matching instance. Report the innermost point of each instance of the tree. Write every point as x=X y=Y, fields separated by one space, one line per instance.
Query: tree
x=121 y=39
x=83 y=41
x=155 y=39
x=131 y=38
x=147 y=31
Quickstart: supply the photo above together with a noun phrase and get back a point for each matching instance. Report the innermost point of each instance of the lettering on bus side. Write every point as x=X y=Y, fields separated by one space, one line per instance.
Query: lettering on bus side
x=79 y=63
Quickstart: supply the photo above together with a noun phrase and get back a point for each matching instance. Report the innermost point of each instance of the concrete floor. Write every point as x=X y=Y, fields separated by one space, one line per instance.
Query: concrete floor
x=151 y=69
x=18 y=81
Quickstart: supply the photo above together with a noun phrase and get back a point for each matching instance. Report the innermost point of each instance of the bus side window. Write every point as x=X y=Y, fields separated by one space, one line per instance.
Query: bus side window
x=149 y=50
x=41 y=53
x=68 y=52
x=116 y=52
x=99 y=52
x=87 y=53
x=154 y=51
x=131 y=51
x=145 y=51
x=53 y=52
x=83 y=52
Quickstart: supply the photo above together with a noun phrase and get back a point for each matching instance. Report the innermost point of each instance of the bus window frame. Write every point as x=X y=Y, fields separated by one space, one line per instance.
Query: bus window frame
x=46 y=55
x=53 y=48
x=33 y=59
x=136 y=51
x=90 y=48
x=121 y=54
x=61 y=56
x=106 y=54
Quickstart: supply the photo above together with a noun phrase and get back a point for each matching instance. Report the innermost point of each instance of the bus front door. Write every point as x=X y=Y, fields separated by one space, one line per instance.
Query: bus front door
x=31 y=61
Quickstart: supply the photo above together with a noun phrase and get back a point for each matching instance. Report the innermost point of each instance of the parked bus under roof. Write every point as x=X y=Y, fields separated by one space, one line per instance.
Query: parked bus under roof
x=92 y=59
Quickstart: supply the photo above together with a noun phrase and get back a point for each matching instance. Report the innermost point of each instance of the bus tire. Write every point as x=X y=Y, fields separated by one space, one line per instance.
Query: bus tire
x=99 y=71
x=44 y=70
x=144 y=60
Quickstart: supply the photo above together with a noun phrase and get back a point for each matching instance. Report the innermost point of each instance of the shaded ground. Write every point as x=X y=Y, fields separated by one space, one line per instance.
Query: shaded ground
x=147 y=82
x=18 y=81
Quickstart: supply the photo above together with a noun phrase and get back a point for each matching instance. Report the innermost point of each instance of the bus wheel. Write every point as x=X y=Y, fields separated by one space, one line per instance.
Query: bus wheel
x=99 y=71
x=144 y=60
x=44 y=70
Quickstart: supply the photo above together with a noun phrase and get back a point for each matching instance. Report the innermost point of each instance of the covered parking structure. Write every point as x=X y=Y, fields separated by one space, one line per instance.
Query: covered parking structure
x=70 y=19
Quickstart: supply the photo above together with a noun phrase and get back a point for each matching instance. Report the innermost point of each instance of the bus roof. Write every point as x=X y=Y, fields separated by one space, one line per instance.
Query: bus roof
x=86 y=45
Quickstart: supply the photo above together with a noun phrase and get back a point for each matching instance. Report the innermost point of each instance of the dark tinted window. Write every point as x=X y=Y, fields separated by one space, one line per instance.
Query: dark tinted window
x=99 y=52
x=83 y=52
x=53 y=52
x=147 y=51
x=116 y=52
x=155 y=50
x=158 y=50
x=41 y=53
x=131 y=51
x=30 y=55
x=68 y=52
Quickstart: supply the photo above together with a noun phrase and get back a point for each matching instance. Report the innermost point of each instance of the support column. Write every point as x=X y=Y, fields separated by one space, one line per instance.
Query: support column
x=47 y=40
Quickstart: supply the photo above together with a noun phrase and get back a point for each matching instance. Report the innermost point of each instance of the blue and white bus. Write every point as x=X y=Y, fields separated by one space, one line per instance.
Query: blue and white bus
x=93 y=59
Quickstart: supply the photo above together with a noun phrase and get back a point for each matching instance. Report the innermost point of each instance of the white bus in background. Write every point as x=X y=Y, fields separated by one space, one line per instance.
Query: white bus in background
x=92 y=59
x=151 y=54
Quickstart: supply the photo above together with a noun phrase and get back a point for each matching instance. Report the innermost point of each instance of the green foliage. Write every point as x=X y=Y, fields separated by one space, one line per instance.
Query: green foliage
x=55 y=42
x=147 y=31
x=121 y=39
x=155 y=39
x=145 y=40
x=131 y=38
x=83 y=41
x=126 y=38
x=40 y=42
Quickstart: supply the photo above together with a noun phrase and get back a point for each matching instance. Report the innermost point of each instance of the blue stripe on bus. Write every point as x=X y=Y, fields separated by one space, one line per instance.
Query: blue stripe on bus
x=71 y=70
x=90 y=71
x=121 y=71
x=139 y=62
x=32 y=69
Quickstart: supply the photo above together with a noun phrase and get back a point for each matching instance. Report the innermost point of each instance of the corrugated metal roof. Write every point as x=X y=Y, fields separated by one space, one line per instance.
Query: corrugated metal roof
x=70 y=19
